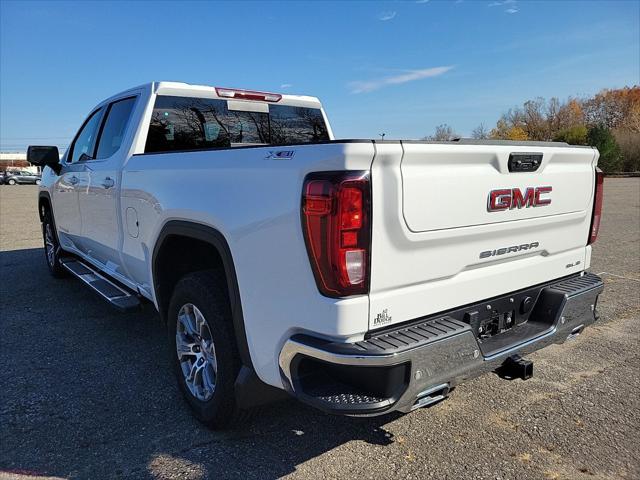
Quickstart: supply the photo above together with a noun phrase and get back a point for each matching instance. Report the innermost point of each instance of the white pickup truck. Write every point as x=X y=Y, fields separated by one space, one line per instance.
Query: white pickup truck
x=360 y=276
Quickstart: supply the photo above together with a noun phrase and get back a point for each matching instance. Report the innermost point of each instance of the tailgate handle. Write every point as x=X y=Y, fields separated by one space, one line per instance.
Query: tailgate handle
x=524 y=162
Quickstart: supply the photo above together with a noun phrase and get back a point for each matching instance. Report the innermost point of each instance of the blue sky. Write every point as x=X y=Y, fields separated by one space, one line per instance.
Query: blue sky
x=395 y=67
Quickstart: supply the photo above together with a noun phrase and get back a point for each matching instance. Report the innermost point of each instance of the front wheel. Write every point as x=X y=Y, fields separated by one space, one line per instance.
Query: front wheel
x=203 y=347
x=51 y=246
x=38 y=182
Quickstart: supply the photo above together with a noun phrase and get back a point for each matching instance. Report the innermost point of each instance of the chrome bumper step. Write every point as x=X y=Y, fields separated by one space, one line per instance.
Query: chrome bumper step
x=113 y=293
x=415 y=365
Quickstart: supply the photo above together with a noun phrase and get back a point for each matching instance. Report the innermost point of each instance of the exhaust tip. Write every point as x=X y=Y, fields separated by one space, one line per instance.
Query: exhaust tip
x=431 y=396
x=575 y=332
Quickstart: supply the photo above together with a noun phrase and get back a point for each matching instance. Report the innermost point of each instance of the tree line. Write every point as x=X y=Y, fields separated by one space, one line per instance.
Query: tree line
x=610 y=121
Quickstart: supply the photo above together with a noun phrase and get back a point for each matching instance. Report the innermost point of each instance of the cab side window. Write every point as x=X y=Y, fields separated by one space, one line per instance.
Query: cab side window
x=114 y=127
x=84 y=144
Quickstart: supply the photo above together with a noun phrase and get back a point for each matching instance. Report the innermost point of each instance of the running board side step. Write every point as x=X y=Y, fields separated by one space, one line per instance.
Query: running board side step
x=116 y=295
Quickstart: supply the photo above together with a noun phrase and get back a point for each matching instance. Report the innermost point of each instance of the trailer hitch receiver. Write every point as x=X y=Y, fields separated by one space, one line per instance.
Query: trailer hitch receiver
x=516 y=367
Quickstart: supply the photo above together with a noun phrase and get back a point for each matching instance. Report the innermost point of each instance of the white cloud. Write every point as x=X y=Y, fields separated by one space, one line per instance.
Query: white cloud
x=385 y=16
x=410 y=76
x=286 y=85
x=513 y=8
x=422 y=1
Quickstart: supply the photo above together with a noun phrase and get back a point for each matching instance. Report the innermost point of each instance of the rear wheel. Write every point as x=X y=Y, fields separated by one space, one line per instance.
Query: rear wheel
x=51 y=245
x=11 y=181
x=37 y=182
x=203 y=347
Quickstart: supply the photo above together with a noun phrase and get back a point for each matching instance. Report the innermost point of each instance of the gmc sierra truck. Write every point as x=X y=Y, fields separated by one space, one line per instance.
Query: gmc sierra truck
x=360 y=276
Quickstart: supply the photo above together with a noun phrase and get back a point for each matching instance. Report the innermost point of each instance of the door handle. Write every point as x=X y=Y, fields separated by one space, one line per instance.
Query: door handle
x=73 y=180
x=108 y=182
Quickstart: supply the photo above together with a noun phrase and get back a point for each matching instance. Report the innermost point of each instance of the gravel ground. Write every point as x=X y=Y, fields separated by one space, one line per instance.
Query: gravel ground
x=87 y=393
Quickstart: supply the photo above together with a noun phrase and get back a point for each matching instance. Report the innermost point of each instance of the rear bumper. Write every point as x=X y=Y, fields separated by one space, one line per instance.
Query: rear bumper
x=416 y=364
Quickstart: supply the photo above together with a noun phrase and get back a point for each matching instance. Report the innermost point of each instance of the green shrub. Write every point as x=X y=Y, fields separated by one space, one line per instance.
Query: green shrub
x=610 y=157
x=573 y=136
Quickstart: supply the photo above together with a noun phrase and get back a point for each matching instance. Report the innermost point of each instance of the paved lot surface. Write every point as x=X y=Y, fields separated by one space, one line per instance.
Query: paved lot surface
x=88 y=393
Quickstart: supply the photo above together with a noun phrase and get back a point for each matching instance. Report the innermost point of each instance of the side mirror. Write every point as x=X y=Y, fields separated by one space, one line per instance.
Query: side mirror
x=44 y=157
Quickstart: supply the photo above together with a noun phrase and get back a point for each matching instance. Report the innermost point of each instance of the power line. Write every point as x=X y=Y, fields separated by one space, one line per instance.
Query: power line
x=41 y=138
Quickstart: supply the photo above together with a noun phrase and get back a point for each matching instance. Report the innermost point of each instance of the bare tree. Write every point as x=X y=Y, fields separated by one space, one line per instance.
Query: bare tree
x=443 y=133
x=480 y=132
x=534 y=119
x=611 y=108
x=554 y=116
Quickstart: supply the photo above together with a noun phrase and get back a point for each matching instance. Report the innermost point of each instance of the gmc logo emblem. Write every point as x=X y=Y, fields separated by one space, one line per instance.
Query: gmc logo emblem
x=510 y=198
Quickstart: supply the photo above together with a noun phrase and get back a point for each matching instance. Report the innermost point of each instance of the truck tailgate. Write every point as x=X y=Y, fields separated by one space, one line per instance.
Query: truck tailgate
x=441 y=239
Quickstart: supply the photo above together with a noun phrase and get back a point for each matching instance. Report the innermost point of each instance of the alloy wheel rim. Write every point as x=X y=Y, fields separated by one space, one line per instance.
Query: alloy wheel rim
x=49 y=245
x=196 y=352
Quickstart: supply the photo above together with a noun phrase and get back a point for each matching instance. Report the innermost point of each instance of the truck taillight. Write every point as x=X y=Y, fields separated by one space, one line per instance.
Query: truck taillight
x=248 y=94
x=336 y=210
x=597 y=207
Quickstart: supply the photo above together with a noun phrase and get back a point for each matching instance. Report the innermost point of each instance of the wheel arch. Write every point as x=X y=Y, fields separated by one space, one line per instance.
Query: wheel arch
x=216 y=240
x=44 y=200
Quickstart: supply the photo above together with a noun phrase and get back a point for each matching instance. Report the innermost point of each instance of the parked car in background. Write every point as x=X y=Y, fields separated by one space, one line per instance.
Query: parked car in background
x=22 y=177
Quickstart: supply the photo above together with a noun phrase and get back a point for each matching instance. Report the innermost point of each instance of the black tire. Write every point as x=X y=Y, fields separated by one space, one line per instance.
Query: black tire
x=53 y=262
x=11 y=181
x=206 y=291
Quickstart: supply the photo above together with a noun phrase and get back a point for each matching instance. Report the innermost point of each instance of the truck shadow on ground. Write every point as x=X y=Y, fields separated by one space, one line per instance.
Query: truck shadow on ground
x=88 y=392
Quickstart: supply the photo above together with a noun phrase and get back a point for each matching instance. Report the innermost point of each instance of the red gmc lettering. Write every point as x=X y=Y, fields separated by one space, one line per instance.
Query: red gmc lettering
x=499 y=199
x=518 y=201
x=510 y=198
x=542 y=201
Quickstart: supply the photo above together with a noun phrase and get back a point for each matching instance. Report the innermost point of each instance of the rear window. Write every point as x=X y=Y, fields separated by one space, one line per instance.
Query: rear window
x=184 y=123
x=114 y=127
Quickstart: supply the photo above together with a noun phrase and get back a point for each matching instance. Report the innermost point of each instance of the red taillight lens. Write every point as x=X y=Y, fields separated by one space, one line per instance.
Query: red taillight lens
x=336 y=225
x=597 y=207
